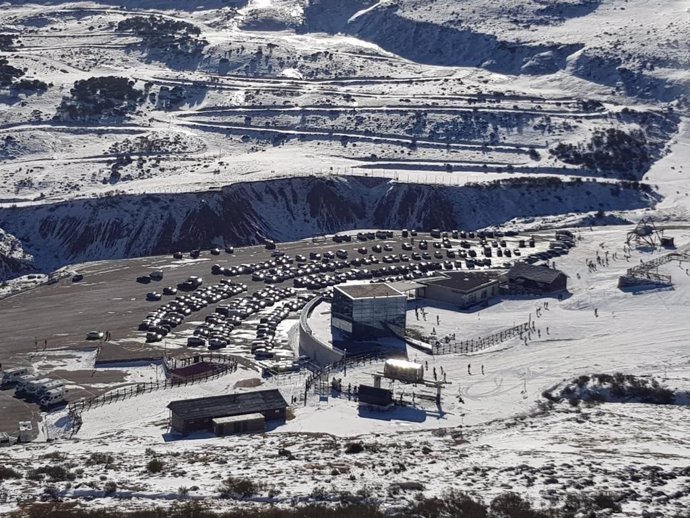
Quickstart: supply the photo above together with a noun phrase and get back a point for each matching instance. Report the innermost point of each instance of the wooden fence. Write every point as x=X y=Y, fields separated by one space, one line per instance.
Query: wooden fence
x=479 y=344
x=76 y=408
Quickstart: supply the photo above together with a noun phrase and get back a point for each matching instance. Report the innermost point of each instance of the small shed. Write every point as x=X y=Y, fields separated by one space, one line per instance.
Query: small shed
x=26 y=432
x=403 y=370
x=246 y=423
x=375 y=397
x=667 y=242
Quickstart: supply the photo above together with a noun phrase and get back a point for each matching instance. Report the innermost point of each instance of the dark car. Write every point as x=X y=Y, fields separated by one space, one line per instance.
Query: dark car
x=229 y=250
x=153 y=296
x=77 y=277
x=144 y=279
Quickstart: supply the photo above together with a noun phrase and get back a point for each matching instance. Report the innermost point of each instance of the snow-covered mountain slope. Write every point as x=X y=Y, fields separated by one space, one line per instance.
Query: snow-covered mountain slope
x=290 y=209
x=106 y=99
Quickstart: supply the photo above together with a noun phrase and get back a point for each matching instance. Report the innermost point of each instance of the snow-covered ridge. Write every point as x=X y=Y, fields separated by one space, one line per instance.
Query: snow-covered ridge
x=289 y=209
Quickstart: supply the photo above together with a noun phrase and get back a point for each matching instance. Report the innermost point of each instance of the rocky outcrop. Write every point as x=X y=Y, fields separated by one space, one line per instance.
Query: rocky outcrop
x=14 y=260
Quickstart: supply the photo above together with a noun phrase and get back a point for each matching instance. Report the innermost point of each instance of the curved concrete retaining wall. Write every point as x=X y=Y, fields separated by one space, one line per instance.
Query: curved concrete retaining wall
x=309 y=345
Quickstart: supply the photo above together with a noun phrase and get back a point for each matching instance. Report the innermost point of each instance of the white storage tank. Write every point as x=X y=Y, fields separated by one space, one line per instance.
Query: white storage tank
x=403 y=370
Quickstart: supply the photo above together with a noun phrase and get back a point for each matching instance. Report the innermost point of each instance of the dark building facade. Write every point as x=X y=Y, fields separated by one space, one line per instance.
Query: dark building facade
x=540 y=279
x=374 y=397
x=368 y=311
x=463 y=289
x=195 y=415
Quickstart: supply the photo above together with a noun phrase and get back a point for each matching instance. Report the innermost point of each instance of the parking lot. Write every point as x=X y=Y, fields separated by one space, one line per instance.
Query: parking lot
x=109 y=299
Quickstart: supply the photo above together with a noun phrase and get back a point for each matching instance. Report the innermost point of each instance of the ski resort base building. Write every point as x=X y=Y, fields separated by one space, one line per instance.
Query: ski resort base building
x=368 y=311
x=462 y=289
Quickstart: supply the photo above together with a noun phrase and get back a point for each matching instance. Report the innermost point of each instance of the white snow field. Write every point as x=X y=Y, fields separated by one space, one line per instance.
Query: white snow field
x=290 y=118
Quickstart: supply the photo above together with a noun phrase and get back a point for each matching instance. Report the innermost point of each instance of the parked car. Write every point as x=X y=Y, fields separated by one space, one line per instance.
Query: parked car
x=156 y=275
x=77 y=277
x=153 y=336
x=95 y=335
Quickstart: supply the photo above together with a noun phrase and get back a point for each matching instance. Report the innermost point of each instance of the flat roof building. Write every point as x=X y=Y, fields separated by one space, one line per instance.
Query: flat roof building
x=463 y=289
x=368 y=311
x=194 y=415
x=234 y=424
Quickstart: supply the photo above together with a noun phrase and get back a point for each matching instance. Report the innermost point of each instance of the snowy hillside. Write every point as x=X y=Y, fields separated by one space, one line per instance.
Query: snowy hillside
x=161 y=97
x=244 y=213
x=137 y=128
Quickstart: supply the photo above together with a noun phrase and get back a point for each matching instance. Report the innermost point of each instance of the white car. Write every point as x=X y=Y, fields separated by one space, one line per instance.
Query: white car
x=95 y=335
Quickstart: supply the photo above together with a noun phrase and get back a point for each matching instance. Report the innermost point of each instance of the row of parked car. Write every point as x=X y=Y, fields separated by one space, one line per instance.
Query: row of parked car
x=277 y=262
x=197 y=252
x=564 y=241
x=156 y=275
x=159 y=323
x=264 y=346
x=215 y=331
x=47 y=392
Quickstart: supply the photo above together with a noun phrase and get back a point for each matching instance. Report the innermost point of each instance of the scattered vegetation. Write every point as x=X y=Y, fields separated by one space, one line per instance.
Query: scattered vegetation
x=11 y=78
x=54 y=473
x=239 y=488
x=451 y=504
x=165 y=34
x=609 y=150
x=622 y=388
x=7 y=42
x=7 y=473
x=98 y=458
x=171 y=98
x=100 y=97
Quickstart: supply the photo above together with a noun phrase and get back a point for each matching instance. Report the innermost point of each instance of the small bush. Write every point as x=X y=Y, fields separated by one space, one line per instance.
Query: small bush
x=99 y=458
x=8 y=473
x=110 y=487
x=512 y=505
x=354 y=447
x=239 y=488
x=155 y=466
x=54 y=473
